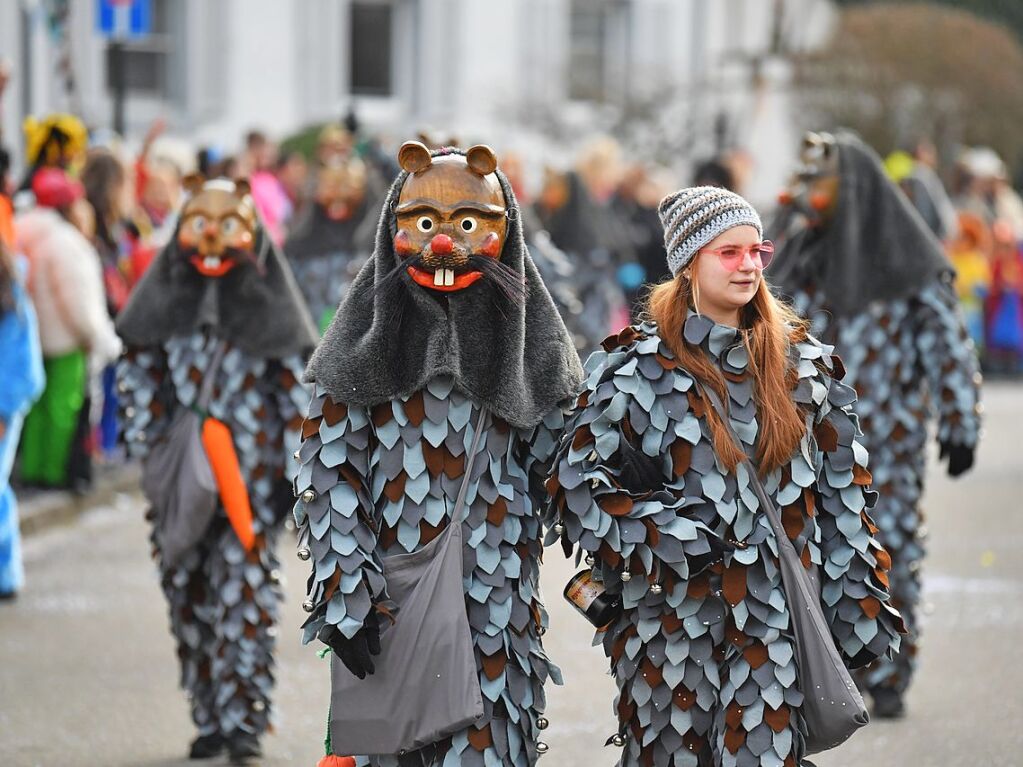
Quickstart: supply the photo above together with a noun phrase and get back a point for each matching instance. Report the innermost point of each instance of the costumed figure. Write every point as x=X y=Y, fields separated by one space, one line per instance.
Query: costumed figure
x=217 y=331
x=649 y=484
x=65 y=281
x=330 y=242
x=448 y=318
x=22 y=382
x=872 y=279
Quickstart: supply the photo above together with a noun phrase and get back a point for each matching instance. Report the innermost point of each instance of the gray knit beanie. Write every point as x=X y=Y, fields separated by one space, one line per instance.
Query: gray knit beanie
x=693 y=217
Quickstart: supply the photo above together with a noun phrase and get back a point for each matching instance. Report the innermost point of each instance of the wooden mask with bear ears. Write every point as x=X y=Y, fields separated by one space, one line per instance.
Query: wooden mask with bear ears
x=451 y=208
x=218 y=225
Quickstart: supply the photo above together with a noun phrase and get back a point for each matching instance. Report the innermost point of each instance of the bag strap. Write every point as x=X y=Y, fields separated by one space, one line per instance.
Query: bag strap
x=209 y=377
x=758 y=488
x=470 y=460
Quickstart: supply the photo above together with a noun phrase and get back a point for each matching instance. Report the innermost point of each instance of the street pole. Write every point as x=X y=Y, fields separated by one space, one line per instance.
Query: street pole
x=118 y=84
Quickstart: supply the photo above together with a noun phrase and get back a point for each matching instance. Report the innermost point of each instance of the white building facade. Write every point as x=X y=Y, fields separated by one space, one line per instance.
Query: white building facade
x=703 y=73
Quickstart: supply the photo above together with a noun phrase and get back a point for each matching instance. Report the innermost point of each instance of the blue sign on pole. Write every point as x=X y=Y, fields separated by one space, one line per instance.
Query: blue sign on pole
x=123 y=19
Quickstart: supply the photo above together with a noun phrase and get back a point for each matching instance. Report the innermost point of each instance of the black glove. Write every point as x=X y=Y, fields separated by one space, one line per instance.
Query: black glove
x=356 y=653
x=639 y=472
x=960 y=457
x=700 y=562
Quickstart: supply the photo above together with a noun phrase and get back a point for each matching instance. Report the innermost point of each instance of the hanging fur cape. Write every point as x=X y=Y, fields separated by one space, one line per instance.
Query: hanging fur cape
x=256 y=307
x=517 y=359
x=876 y=248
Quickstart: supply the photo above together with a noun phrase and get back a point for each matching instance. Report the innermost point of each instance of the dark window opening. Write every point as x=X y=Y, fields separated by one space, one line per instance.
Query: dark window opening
x=372 y=26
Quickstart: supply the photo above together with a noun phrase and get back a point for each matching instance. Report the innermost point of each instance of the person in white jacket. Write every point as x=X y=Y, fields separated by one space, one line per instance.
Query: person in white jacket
x=76 y=334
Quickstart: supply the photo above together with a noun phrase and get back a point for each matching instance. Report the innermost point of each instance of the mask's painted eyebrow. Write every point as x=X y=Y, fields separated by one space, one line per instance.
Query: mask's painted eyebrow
x=439 y=208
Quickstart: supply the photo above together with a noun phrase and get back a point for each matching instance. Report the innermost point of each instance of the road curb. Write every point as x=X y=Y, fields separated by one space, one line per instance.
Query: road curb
x=43 y=510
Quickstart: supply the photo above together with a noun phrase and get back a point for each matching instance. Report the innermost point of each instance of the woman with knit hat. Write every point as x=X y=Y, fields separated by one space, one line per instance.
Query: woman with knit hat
x=650 y=484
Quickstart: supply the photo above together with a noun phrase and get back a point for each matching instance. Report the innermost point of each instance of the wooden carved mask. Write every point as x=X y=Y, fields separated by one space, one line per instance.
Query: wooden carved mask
x=218 y=225
x=451 y=210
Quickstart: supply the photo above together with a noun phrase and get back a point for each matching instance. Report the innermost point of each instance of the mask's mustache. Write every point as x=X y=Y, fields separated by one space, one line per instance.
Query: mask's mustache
x=394 y=289
x=508 y=282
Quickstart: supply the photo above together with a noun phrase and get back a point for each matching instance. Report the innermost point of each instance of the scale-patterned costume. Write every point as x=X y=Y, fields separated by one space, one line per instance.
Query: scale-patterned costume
x=223 y=600
x=401 y=464
x=704 y=661
x=400 y=378
x=911 y=361
x=875 y=284
x=242 y=306
x=325 y=255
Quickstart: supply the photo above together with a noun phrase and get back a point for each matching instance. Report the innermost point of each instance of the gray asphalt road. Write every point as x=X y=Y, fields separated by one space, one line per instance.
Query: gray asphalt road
x=88 y=675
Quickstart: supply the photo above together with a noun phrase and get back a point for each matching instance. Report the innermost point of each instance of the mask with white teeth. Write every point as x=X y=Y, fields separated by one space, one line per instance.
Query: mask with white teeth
x=450 y=210
x=218 y=225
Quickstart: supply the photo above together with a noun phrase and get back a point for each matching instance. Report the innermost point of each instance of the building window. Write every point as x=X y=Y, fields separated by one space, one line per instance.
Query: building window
x=372 y=34
x=588 y=36
x=146 y=61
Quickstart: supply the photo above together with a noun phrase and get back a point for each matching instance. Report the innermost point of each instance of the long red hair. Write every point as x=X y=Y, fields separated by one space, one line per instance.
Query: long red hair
x=770 y=328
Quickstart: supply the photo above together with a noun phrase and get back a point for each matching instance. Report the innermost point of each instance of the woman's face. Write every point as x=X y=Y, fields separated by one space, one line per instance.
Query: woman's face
x=722 y=293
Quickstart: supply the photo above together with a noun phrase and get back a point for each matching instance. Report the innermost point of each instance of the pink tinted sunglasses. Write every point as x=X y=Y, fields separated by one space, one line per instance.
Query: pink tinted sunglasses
x=733 y=256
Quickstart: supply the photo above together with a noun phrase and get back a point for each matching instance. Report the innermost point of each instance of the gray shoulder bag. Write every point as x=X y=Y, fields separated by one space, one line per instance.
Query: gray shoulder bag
x=177 y=479
x=832 y=706
x=426 y=684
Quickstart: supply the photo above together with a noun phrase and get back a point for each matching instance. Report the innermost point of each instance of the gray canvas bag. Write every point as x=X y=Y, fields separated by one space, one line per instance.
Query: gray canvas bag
x=832 y=705
x=426 y=684
x=177 y=479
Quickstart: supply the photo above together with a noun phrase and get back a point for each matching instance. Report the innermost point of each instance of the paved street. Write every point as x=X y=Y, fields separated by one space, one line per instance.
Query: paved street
x=88 y=675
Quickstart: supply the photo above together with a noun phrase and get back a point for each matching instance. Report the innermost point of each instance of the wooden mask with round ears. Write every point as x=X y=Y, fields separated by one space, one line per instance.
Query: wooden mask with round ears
x=451 y=208
x=218 y=225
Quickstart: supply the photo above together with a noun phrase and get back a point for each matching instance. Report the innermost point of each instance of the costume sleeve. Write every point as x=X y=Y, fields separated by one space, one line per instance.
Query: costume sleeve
x=648 y=533
x=540 y=447
x=145 y=397
x=854 y=573
x=335 y=516
x=20 y=358
x=949 y=362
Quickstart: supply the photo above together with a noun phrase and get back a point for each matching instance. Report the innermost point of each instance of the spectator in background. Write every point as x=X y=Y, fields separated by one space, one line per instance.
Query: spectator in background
x=635 y=203
x=258 y=162
x=110 y=192
x=919 y=182
x=970 y=252
x=293 y=174
x=1004 y=306
x=76 y=334
x=21 y=383
x=714 y=172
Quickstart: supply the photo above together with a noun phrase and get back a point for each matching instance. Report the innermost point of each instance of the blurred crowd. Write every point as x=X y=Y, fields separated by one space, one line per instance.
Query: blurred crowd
x=87 y=215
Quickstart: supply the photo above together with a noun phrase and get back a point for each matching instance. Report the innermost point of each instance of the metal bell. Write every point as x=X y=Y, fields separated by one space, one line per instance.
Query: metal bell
x=304 y=554
x=656 y=588
x=618 y=740
x=559 y=528
x=590 y=560
x=308 y=606
x=542 y=748
x=309 y=496
x=626 y=576
x=542 y=723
